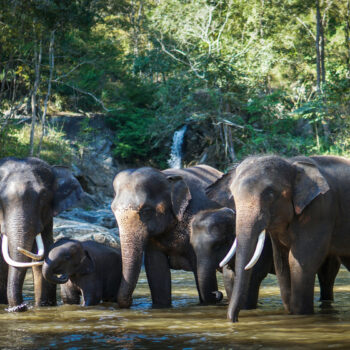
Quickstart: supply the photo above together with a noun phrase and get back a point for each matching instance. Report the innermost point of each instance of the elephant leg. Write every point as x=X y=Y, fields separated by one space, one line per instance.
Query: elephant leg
x=91 y=289
x=280 y=257
x=91 y=298
x=158 y=276
x=251 y=300
x=228 y=277
x=302 y=282
x=3 y=279
x=259 y=272
x=16 y=277
x=304 y=264
x=326 y=277
x=45 y=292
x=70 y=294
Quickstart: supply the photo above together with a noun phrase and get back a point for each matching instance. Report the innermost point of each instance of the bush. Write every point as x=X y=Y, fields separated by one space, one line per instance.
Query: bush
x=55 y=149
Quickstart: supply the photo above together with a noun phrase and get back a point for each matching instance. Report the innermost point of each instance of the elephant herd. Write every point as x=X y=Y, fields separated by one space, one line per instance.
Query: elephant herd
x=288 y=216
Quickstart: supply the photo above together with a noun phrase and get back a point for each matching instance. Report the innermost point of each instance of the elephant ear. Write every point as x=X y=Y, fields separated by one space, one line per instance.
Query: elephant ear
x=180 y=195
x=87 y=264
x=309 y=183
x=67 y=189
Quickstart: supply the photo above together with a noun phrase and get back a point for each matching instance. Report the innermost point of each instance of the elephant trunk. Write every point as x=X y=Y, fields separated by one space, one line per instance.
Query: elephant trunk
x=132 y=253
x=19 y=231
x=250 y=238
x=17 y=274
x=207 y=284
x=50 y=275
x=132 y=240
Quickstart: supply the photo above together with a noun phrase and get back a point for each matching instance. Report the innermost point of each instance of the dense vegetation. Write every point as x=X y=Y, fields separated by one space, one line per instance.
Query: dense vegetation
x=247 y=76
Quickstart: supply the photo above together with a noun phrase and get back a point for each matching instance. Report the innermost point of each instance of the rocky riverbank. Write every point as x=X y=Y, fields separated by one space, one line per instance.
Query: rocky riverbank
x=98 y=225
x=94 y=165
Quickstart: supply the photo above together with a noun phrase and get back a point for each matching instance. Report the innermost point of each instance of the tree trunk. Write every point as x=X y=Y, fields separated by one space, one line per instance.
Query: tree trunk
x=317 y=42
x=52 y=65
x=347 y=36
x=322 y=54
x=37 y=62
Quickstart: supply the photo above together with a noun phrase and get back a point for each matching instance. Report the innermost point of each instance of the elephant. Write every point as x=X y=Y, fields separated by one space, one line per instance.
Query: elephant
x=88 y=269
x=302 y=202
x=211 y=235
x=154 y=210
x=31 y=193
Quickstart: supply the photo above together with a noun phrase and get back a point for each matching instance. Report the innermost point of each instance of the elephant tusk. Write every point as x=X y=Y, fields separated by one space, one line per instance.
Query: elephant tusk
x=258 y=250
x=40 y=244
x=230 y=254
x=5 y=253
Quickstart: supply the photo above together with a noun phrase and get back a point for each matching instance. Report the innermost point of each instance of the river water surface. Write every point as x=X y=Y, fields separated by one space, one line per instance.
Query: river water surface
x=184 y=326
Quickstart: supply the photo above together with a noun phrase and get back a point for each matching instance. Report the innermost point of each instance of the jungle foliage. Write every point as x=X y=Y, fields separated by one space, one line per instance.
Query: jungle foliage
x=251 y=76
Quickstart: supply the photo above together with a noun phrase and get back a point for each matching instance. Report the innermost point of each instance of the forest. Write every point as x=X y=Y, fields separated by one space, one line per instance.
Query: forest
x=247 y=76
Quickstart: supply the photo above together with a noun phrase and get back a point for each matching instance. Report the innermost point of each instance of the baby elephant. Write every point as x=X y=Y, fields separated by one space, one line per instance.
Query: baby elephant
x=88 y=269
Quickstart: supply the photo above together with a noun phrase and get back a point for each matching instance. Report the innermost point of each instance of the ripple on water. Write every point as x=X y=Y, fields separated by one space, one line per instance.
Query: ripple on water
x=187 y=325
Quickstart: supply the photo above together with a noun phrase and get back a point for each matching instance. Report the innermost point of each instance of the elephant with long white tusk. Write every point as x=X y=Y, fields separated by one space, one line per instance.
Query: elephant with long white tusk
x=31 y=193
x=298 y=202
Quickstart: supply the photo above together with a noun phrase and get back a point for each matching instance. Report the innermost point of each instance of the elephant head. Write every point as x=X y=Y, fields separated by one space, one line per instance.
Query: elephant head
x=147 y=203
x=212 y=232
x=31 y=192
x=268 y=192
x=65 y=258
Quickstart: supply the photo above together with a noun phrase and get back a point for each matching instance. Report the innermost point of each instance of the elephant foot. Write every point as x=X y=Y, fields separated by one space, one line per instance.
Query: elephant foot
x=18 y=308
x=124 y=303
x=218 y=296
x=326 y=304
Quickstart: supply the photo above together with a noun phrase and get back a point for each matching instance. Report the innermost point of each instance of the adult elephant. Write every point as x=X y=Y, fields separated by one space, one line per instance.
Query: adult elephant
x=31 y=193
x=303 y=203
x=154 y=210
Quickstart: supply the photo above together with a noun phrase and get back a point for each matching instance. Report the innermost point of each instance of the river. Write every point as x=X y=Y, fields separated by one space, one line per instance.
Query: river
x=184 y=326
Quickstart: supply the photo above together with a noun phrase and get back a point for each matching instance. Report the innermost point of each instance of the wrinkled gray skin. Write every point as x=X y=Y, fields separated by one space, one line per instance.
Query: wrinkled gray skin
x=211 y=238
x=31 y=193
x=88 y=269
x=154 y=209
x=213 y=232
x=211 y=242
x=303 y=203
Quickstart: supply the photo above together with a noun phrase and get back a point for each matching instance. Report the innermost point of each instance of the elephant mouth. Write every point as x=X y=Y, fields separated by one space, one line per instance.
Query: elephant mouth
x=254 y=259
x=59 y=275
x=60 y=278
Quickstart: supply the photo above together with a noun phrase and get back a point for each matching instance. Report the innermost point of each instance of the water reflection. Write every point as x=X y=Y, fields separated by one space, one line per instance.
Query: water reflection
x=185 y=326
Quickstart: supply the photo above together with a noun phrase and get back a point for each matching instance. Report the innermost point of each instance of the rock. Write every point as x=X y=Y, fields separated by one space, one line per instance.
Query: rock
x=83 y=231
x=93 y=161
x=101 y=217
x=87 y=202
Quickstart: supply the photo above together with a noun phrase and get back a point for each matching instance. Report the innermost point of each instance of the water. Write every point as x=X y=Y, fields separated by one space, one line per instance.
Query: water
x=184 y=326
x=176 y=148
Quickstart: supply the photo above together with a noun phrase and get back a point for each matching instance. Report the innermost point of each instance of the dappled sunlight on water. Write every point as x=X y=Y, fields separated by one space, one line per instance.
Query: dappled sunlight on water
x=184 y=326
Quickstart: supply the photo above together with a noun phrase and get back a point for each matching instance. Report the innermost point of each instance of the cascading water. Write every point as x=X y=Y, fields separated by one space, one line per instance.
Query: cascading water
x=176 y=148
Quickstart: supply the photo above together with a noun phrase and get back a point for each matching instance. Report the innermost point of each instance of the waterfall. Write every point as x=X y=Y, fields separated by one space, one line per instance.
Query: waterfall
x=176 y=148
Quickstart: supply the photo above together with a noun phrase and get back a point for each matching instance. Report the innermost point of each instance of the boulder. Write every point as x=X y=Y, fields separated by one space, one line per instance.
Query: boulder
x=101 y=217
x=93 y=162
x=83 y=231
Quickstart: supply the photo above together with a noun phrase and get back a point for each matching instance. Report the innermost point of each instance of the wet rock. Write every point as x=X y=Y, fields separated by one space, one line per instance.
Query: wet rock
x=84 y=231
x=93 y=161
x=101 y=217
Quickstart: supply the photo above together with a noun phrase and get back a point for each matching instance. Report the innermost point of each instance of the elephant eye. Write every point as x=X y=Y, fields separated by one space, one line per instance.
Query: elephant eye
x=269 y=193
